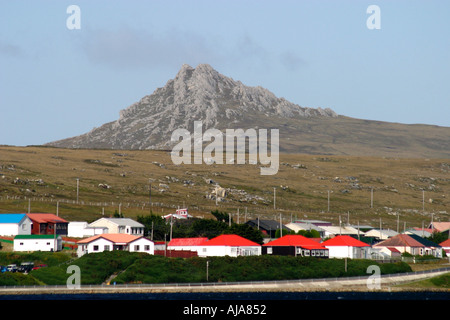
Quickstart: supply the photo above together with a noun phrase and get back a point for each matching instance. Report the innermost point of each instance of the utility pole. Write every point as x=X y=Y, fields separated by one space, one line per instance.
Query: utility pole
x=78 y=189
x=423 y=200
x=371 y=198
x=328 y=200
x=274 y=199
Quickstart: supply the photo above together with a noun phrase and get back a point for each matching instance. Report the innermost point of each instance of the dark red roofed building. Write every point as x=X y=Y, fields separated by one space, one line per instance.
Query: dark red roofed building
x=47 y=223
x=295 y=245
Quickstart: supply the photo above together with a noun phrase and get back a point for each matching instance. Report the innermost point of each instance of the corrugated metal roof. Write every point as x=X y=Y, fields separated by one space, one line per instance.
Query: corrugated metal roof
x=45 y=217
x=11 y=217
x=187 y=241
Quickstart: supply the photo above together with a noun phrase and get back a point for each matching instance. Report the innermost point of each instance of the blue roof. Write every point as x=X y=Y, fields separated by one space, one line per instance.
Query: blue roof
x=11 y=217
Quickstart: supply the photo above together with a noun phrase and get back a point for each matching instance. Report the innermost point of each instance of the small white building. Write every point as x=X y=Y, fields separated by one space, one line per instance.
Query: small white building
x=37 y=242
x=347 y=247
x=119 y=225
x=229 y=245
x=115 y=241
x=81 y=229
x=12 y=224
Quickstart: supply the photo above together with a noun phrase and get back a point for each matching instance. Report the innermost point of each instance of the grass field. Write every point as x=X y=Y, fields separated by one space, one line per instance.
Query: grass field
x=406 y=192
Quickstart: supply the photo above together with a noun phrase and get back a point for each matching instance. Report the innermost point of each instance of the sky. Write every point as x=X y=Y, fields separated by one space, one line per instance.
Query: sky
x=64 y=72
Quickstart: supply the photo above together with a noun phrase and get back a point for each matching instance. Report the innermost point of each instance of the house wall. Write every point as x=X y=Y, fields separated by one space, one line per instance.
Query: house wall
x=80 y=230
x=14 y=229
x=38 y=244
x=349 y=252
x=142 y=245
x=111 y=227
x=98 y=245
x=221 y=251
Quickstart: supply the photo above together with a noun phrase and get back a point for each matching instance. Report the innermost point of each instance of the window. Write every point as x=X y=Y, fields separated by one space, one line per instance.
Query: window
x=95 y=248
x=21 y=243
x=269 y=250
x=48 y=243
x=106 y=248
x=147 y=247
x=136 y=248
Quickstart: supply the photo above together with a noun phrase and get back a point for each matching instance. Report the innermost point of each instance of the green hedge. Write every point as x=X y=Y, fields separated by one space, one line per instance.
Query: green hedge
x=97 y=268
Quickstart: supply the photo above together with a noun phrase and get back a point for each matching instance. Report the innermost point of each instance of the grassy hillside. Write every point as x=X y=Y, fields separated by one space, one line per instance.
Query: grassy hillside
x=111 y=181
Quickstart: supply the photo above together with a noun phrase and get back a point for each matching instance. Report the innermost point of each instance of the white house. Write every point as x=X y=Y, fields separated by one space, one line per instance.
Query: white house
x=347 y=247
x=81 y=229
x=37 y=242
x=115 y=241
x=229 y=245
x=12 y=224
x=119 y=225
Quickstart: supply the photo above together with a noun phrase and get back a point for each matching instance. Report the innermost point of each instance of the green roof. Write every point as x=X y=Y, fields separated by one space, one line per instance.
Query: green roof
x=35 y=236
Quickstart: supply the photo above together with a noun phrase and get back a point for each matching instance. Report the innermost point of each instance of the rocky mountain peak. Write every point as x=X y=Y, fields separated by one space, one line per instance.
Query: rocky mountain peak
x=200 y=93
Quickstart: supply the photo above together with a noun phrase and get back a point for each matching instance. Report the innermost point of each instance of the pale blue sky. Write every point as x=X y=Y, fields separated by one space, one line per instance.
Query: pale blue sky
x=57 y=83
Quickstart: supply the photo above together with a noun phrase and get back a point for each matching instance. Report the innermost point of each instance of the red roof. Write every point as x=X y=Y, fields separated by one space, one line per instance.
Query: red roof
x=230 y=240
x=445 y=243
x=344 y=241
x=187 y=241
x=295 y=241
x=45 y=217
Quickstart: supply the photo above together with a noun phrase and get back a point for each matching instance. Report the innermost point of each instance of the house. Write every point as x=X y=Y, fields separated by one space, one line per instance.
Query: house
x=119 y=225
x=12 y=224
x=295 y=245
x=186 y=244
x=47 y=223
x=439 y=226
x=430 y=249
x=268 y=227
x=115 y=241
x=229 y=245
x=298 y=226
x=333 y=231
x=81 y=229
x=179 y=214
x=380 y=234
x=37 y=242
x=446 y=246
x=411 y=244
x=347 y=247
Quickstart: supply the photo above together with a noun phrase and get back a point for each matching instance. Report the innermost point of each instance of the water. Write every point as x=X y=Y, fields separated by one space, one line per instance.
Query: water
x=240 y=296
x=226 y=305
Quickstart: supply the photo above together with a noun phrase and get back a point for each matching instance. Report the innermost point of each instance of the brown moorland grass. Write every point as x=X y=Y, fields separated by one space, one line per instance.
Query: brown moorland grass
x=45 y=179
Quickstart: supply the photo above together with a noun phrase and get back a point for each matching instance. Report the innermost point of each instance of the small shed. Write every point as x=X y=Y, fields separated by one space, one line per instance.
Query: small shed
x=37 y=242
